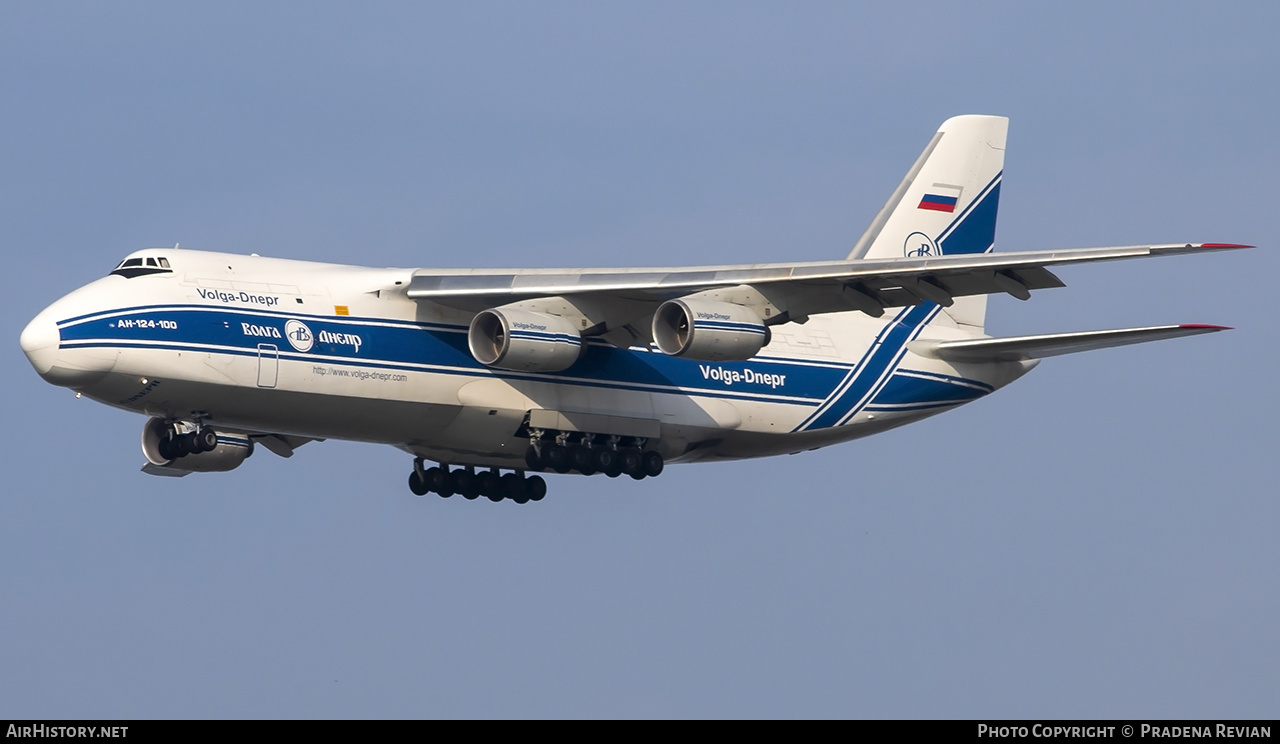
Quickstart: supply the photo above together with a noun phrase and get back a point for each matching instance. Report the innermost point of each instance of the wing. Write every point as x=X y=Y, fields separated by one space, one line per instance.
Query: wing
x=777 y=292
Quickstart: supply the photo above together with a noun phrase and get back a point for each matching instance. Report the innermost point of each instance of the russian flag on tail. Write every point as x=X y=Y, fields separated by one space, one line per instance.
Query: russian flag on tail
x=941 y=197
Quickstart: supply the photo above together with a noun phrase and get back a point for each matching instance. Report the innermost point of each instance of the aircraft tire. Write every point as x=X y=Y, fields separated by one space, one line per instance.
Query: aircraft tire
x=466 y=483
x=434 y=478
x=488 y=485
x=167 y=449
x=631 y=461
x=605 y=459
x=614 y=471
x=652 y=464
x=416 y=485
x=582 y=460
x=206 y=439
x=533 y=459
x=512 y=486
x=558 y=459
x=536 y=487
x=448 y=486
x=638 y=475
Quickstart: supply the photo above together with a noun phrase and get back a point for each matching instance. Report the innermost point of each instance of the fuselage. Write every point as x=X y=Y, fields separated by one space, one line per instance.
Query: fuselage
x=324 y=351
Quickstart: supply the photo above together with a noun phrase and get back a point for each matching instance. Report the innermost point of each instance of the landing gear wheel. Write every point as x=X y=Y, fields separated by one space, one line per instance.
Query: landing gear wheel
x=583 y=460
x=630 y=459
x=168 y=449
x=434 y=478
x=614 y=471
x=206 y=439
x=558 y=459
x=513 y=488
x=533 y=459
x=448 y=486
x=416 y=485
x=606 y=459
x=487 y=485
x=536 y=487
x=652 y=464
x=465 y=484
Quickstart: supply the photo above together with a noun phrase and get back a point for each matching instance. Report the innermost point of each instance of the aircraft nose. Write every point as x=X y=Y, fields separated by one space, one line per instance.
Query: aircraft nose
x=40 y=341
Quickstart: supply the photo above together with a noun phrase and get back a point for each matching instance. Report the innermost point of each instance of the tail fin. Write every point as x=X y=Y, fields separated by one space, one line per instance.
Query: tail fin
x=946 y=204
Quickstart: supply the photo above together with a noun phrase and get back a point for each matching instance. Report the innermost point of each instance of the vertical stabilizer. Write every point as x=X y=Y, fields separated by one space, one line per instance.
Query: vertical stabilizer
x=946 y=204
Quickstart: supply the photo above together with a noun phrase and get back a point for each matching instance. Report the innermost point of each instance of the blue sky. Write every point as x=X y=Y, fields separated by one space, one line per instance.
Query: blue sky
x=1096 y=540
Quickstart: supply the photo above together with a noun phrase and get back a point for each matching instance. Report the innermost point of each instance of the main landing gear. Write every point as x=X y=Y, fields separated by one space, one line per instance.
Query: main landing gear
x=589 y=454
x=470 y=484
x=563 y=452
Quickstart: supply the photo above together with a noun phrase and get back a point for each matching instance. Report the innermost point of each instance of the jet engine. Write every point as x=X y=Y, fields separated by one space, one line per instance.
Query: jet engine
x=708 y=331
x=522 y=340
x=196 y=449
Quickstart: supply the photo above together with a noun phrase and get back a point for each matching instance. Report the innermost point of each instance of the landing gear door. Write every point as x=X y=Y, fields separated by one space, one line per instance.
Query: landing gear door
x=268 y=365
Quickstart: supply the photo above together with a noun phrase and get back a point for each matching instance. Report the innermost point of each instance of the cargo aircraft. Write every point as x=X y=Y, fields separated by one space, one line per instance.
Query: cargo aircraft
x=498 y=375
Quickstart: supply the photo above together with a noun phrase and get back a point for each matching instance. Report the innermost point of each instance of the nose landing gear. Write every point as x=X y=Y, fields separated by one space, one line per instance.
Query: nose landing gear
x=175 y=445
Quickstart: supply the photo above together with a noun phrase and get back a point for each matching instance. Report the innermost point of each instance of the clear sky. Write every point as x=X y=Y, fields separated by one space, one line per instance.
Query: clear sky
x=1098 y=539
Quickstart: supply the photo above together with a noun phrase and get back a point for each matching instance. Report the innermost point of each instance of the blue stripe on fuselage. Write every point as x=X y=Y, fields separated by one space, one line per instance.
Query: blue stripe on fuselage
x=873 y=374
x=911 y=389
x=405 y=345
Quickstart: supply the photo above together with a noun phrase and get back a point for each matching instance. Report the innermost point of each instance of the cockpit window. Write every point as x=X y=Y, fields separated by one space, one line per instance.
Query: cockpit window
x=133 y=267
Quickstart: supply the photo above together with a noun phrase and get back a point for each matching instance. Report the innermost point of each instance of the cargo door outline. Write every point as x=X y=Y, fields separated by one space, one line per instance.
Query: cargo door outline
x=268 y=365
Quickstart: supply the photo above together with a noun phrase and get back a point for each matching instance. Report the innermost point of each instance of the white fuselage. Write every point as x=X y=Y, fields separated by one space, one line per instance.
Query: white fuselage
x=265 y=345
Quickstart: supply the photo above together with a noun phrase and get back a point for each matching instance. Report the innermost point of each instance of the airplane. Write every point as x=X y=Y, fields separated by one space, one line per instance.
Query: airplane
x=498 y=375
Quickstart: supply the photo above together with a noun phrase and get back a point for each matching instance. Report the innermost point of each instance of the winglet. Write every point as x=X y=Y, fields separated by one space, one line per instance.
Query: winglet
x=1207 y=328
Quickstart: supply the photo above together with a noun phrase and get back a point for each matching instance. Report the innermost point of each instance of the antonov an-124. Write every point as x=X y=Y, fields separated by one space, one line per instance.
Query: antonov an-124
x=498 y=375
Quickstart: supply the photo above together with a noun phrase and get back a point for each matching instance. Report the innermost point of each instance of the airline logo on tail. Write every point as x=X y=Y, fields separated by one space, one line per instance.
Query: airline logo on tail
x=919 y=245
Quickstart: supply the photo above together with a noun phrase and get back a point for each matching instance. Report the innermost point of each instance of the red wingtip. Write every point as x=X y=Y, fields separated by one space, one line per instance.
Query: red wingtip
x=1227 y=245
x=1206 y=327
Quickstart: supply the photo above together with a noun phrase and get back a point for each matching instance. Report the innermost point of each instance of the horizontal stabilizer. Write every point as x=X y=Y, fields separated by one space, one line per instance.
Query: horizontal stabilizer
x=1022 y=348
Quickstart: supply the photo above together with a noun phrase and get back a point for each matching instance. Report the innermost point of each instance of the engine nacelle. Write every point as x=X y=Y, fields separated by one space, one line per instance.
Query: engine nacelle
x=228 y=452
x=511 y=338
x=708 y=331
